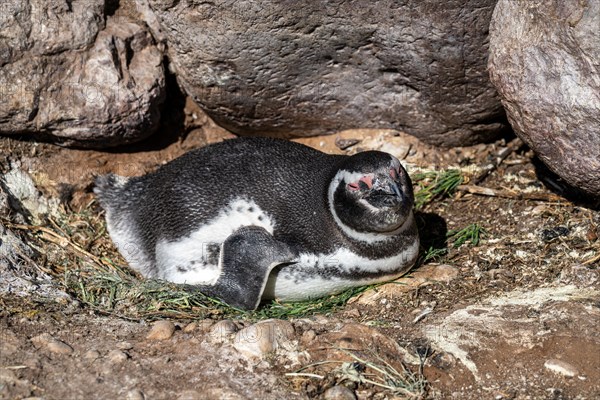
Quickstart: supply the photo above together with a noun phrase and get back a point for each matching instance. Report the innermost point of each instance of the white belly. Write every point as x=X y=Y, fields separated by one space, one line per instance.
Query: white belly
x=191 y=259
x=291 y=285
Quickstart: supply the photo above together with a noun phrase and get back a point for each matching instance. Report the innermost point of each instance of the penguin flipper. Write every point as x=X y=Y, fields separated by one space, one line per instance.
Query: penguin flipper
x=247 y=257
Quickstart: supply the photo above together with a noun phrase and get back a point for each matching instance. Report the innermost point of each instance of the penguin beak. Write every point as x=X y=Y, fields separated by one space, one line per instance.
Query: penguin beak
x=386 y=191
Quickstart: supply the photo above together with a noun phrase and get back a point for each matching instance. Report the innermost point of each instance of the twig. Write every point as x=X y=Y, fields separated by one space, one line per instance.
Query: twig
x=507 y=194
x=592 y=260
x=500 y=157
x=53 y=237
x=305 y=374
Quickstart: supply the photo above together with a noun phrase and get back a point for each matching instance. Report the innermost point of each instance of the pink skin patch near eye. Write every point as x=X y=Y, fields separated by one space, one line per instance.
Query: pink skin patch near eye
x=393 y=173
x=367 y=180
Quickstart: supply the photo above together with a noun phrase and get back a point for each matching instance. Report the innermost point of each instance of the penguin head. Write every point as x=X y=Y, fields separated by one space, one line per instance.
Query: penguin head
x=371 y=193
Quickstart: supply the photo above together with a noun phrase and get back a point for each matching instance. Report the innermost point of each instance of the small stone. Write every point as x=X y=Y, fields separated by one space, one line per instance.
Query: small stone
x=352 y=313
x=92 y=355
x=124 y=346
x=222 y=330
x=344 y=144
x=117 y=356
x=135 y=394
x=205 y=325
x=264 y=338
x=52 y=344
x=308 y=336
x=561 y=367
x=444 y=273
x=339 y=393
x=161 y=330
x=191 y=327
x=59 y=347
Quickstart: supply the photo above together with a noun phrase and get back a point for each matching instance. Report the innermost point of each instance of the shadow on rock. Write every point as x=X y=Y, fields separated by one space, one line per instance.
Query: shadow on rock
x=559 y=186
x=172 y=122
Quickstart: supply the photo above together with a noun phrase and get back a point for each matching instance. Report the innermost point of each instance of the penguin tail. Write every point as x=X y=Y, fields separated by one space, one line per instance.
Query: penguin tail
x=108 y=189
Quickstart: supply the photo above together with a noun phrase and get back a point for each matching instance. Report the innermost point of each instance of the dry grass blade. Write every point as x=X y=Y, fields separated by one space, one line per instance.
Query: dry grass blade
x=507 y=194
x=404 y=382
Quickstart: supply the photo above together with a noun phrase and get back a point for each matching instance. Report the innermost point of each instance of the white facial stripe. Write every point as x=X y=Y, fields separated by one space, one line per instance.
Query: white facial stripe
x=367 y=237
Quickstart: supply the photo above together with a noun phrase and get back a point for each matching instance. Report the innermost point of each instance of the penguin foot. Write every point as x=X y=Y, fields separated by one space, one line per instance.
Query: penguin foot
x=247 y=257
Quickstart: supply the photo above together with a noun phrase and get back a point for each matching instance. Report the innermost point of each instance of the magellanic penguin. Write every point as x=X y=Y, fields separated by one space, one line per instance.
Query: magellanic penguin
x=254 y=218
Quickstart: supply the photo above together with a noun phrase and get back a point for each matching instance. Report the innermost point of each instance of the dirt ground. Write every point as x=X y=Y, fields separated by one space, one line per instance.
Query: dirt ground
x=513 y=316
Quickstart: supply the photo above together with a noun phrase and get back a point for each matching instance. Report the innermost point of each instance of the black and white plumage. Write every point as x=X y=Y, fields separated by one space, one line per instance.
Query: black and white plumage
x=320 y=223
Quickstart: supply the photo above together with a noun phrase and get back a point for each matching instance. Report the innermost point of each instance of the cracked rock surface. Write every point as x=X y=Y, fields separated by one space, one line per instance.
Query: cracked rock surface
x=73 y=75
x=306 y=68
x=544 y=61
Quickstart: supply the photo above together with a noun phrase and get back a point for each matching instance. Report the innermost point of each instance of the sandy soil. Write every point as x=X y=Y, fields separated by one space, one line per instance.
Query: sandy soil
x=516 y=316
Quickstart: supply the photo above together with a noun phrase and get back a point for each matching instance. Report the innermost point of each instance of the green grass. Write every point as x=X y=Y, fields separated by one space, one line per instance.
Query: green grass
x=471 y=234
x=435 y=184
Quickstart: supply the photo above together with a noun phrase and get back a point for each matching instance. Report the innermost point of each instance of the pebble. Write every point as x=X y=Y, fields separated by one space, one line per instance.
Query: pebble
x=205 y=325
x=191 y=327
x=561 y=367
x=339 y=393
x=92 y=355
x=161 y=330
x=124 y=346
x=222 y=330
x=117 y=356
x=135 y=394
x=54 y=345
x=264 y=338
x=308 y=336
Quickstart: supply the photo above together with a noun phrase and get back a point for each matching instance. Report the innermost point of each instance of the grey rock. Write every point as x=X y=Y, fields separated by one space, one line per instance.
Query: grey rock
x=306 y=68
x=117 y=356
x=20 y=202
x=91 y=355
x=265 y=338
x=71 y=75
x=545 y=63
x=561 y=367
x=221 y=331
x=516 y=322
x=339 y=393
x=22 y=196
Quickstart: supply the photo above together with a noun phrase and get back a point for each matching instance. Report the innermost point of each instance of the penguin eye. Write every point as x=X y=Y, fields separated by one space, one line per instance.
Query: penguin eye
x=353 y=186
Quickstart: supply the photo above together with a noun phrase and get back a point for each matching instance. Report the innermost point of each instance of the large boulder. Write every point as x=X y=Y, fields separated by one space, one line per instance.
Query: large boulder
x=69 y=74
x=307 y=67
x=545 y=63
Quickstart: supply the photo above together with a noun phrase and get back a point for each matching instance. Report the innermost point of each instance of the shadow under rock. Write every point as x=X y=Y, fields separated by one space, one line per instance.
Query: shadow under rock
x=171 y=126
x=557 y=185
